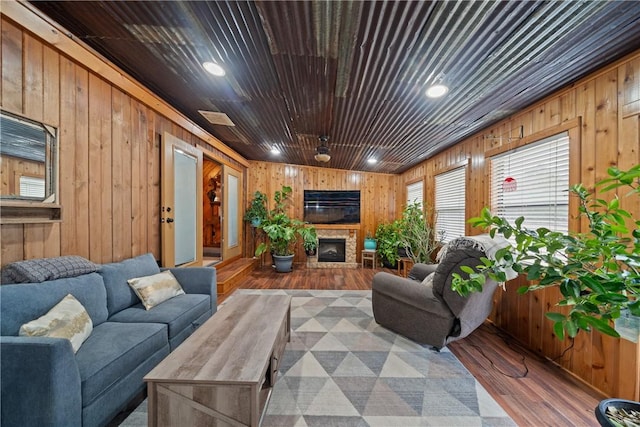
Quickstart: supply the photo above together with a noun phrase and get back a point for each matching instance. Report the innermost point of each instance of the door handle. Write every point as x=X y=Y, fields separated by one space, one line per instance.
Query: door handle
x=169 y=220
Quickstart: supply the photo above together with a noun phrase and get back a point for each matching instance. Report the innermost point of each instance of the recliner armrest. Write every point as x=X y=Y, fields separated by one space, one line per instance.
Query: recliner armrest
x=409 y=292
x=40 y=382
x=419 y=271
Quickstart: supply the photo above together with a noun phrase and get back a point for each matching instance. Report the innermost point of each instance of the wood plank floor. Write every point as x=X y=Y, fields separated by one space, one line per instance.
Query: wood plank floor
x=533 y=390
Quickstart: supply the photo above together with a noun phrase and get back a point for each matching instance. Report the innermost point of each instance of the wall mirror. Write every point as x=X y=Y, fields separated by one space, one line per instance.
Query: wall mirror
x=28 y=159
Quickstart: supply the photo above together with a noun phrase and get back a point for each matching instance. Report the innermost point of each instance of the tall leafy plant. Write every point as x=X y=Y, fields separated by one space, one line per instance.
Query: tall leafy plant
x=597 y=271
x=388 y=242
x=416 y=235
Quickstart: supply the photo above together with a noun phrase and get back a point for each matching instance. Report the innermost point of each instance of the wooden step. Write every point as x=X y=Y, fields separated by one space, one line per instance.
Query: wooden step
x=231 y=275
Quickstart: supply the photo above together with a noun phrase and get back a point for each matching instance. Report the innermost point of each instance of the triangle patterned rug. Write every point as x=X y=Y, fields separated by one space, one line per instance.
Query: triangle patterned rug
x=343 y=369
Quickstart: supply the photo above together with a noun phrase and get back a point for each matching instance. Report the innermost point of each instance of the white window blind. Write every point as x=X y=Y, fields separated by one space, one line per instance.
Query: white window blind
x=31 y=186
x=415 y=192
x=540 y=172
x=450 y=204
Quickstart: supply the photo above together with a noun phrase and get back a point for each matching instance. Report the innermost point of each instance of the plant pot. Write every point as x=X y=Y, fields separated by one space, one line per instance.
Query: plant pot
x=255 y=222
x=370 y=244
x=601 y=409
x=283 y=263
x=310 y=252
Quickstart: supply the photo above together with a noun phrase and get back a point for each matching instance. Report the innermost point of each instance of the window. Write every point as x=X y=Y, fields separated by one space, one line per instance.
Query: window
x=533 y=181
x=415 y=193
x=450 y=204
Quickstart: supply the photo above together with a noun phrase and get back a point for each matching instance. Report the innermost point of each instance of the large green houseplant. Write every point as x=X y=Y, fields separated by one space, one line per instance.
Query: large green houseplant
x=597 y=272
x=416 y=235
x=282 y=231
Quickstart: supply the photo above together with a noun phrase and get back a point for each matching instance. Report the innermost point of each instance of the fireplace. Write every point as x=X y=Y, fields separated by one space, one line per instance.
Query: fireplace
x=347 y=237
x=331 y=250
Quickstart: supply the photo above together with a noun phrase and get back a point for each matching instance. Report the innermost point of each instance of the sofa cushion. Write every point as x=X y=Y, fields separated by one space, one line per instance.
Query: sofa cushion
x=68 y=319
x=115 y=275
x=157 y=288
x=25 y=302
x=177 y=313
x=112 y=351
x=43 y=269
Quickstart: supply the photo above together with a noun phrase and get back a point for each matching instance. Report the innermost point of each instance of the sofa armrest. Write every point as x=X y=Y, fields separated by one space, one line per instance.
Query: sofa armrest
x=40 y=382
x=419 y=271
x=198 y=280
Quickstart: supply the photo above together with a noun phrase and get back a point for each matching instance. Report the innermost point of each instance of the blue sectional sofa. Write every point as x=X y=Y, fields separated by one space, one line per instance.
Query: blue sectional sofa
x=42 y=381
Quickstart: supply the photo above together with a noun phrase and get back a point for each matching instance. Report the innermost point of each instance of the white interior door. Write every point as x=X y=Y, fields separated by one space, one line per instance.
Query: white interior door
x=231 y=213
x=181 y=203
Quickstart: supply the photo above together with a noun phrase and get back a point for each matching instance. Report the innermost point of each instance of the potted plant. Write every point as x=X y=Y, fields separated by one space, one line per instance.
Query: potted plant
x=369 y=242
x=282 y=232
x=416 y=236
x=388 y=242
x=309 y=239
x=597 y=272
x=257 y=210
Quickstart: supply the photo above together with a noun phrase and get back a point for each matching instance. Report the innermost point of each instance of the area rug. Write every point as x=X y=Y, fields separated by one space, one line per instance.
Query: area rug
x=343 y=369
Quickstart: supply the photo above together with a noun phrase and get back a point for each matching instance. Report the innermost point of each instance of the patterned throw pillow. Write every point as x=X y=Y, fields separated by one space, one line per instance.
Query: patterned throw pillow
x=67 y=319
x=152 y=290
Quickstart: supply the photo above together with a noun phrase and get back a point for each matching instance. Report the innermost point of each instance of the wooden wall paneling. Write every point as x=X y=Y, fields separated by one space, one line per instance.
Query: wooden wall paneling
x=139 y=184
x=553 y=113
x=585 y=108
x=121 y=175
x=12 y=248
x=67 y=146
x=81 y=178
x=33 y=79
x=538 y=123
x=568 y=105
x=627 y=372
x=11 y=67
x=96 y=140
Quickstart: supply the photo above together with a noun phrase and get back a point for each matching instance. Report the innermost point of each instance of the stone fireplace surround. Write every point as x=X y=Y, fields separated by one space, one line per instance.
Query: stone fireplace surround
x=351 y=242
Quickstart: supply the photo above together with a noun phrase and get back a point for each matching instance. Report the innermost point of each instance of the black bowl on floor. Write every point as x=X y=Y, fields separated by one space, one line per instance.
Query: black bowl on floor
x=601 y=409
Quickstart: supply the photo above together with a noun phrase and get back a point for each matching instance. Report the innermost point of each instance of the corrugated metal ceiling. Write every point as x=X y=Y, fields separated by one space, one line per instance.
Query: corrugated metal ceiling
x=355 y=71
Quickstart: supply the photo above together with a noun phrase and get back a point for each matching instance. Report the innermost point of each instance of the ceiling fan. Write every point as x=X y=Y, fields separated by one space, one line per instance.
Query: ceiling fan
x=322 y=151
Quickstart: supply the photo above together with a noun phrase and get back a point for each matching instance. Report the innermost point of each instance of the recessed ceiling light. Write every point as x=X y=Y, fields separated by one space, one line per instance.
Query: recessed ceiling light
x=436 y=91
x=372 y=160
x=274 y=150
x=214 y=69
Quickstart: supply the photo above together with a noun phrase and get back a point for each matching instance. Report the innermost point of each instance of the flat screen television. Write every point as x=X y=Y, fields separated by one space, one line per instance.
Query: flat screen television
x=332 y=206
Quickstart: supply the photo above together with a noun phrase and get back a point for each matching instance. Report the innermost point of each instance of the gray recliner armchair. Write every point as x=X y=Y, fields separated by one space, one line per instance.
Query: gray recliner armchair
x=423 y=307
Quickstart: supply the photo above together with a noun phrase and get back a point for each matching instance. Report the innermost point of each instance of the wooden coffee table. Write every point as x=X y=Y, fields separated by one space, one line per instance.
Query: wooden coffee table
x=224 y=372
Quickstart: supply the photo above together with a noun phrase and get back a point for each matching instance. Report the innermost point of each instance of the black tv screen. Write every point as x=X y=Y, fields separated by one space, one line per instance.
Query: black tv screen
x=332 y=206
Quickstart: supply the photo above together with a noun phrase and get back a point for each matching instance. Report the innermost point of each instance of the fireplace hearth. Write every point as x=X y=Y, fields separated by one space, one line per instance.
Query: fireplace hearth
x=331 y=250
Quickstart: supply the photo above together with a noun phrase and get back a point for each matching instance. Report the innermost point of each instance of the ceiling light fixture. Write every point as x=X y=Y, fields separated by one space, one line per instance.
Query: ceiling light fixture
x=322 y=151
x=214 y=69
x=372 y=160
x=437 y=90
x=274 y=150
